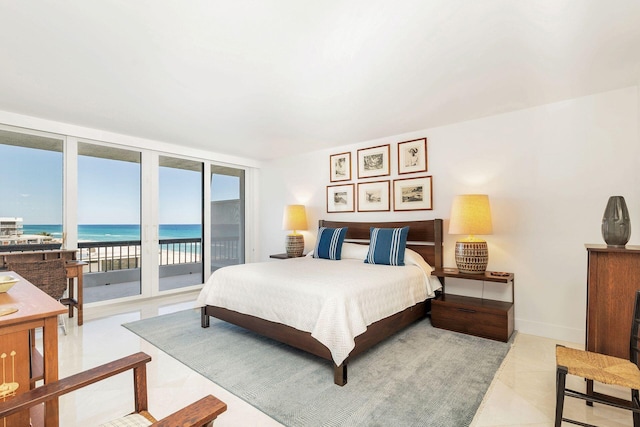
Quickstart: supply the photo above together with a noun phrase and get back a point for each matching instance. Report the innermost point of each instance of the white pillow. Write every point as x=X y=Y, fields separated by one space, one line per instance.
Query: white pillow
x=360 y=251
x=413 y=257
x=354 y=251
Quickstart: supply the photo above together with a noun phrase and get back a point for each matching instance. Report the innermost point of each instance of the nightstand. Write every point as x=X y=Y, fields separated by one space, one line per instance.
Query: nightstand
x=482 y=317
x=282 y=256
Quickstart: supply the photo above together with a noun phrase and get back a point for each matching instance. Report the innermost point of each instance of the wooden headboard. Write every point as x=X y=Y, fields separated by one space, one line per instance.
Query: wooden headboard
x=425 y=237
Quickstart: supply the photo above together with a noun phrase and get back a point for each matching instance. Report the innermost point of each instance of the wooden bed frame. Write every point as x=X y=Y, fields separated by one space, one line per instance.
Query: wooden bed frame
x=425 y=237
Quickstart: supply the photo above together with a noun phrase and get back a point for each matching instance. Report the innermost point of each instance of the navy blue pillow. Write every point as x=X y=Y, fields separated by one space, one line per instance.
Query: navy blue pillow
x=329 y=243
x=387 y=246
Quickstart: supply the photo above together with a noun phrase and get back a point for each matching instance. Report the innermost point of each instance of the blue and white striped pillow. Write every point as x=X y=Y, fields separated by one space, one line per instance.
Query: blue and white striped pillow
x=329 y=243
x=387 y=246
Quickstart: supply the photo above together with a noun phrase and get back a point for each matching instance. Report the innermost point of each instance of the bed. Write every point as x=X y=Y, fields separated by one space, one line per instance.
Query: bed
x=424 y=243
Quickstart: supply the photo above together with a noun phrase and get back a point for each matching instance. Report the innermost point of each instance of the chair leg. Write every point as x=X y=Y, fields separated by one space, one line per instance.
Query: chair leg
x=635 y=402
x=62 y=323
x=561 y=379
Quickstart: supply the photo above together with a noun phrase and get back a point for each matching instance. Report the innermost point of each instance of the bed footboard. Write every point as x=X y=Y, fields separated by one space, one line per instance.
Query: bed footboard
x=375 y=333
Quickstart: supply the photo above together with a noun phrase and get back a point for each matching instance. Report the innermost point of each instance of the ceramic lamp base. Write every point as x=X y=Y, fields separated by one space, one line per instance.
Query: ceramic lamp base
x=295 y=245
x=472 y=257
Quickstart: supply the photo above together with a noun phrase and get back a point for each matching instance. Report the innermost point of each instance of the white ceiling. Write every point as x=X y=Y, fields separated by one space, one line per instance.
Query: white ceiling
x=267 y=78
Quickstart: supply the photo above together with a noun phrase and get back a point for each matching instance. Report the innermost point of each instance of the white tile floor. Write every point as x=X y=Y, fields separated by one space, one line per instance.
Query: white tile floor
x=522 y=393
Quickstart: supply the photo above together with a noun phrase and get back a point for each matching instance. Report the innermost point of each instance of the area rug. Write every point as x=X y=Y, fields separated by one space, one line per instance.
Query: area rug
x=422 y=376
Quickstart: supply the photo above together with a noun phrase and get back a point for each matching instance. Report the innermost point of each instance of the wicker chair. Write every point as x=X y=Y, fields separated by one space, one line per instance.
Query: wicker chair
x=198 y=414
x=49 y=276
x=601 y=368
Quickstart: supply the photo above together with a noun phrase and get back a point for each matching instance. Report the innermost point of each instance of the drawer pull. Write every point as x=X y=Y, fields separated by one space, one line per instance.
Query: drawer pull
x=466 y=310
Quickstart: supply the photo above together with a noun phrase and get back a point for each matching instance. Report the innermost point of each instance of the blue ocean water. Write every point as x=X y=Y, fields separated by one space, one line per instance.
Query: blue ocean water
x=115 y=232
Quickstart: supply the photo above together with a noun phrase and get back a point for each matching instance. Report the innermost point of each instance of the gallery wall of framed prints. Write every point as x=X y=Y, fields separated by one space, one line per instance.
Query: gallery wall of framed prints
x=407 y=188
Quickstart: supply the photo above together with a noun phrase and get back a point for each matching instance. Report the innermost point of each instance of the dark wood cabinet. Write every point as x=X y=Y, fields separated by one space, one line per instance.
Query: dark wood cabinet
x=612 y=281
x=475 y=316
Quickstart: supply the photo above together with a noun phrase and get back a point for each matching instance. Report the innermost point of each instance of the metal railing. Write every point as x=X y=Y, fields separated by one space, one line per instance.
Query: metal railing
x=180 y=251
x=122 y=255
x=225 y=249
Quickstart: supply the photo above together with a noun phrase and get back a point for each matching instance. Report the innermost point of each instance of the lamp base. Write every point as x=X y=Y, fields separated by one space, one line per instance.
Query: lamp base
x=472 y=257
x=295 y=245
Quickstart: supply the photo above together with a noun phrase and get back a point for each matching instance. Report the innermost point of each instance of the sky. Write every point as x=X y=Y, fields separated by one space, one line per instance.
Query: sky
x=108 y=190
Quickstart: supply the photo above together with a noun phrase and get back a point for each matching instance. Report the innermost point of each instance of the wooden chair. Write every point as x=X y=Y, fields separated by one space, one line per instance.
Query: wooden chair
x=601 y=368
x=49 y=275
x=200 y=413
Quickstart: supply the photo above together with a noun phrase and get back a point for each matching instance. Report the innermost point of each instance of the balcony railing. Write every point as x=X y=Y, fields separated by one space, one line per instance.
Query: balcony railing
x=122 y=255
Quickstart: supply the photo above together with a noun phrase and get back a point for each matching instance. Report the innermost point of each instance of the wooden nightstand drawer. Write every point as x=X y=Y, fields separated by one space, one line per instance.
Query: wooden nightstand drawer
x=475 y=316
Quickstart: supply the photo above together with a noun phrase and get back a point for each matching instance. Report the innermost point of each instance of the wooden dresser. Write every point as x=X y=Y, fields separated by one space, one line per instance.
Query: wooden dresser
x=612 y=280
x=22 y=363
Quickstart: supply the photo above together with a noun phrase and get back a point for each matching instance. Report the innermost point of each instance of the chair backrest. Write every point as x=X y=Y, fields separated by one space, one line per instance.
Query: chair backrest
x=48 y=275
x=635 y=332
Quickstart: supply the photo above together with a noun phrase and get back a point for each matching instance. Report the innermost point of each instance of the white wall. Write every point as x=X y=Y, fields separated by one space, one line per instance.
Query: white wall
x=548 y=170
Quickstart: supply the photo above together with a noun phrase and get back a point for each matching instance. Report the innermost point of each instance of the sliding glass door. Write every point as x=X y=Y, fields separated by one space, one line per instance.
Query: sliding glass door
x=227 y=216
x=109 y=188
x=180 y=223
x=32 y=186
x=113 y=204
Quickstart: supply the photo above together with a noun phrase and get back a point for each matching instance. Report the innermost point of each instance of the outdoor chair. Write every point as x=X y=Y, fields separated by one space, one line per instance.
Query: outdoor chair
x=603 y=369
x=198 y=414
x=50 y=276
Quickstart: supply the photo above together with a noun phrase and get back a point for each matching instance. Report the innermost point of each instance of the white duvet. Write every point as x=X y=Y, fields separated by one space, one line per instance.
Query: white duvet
x=333 y=300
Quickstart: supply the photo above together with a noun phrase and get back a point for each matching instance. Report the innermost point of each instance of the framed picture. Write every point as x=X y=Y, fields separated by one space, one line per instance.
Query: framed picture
x=340 y=167
x=340 y=198
x=374 y=196
x=373 y=161
x=412 y=156
x=413 y=194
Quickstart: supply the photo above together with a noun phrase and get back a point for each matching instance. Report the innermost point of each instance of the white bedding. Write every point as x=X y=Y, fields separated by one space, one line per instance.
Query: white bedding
x=333 y=300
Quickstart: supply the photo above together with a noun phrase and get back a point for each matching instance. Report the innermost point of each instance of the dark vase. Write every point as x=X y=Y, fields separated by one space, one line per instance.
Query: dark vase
x=616 y=226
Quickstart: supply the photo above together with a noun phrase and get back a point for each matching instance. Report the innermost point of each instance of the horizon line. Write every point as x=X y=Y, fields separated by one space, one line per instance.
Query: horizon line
x=173 y=223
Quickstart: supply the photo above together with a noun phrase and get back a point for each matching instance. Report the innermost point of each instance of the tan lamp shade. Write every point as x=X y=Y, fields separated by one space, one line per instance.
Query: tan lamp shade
x=471 y=215
x=294 y=218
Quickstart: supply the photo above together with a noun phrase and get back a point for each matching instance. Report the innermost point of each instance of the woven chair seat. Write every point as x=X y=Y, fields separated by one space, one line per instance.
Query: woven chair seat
x=49 y=275
x=132 y=420
x=599 y=367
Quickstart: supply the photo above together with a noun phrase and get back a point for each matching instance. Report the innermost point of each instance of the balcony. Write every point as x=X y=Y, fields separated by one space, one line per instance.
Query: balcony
x=113 y=268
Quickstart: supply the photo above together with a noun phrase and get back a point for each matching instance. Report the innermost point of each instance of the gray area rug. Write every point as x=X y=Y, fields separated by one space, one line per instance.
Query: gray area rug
x=422 y=376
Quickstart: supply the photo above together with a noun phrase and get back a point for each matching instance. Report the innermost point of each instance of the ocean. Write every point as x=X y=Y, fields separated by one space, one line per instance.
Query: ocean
x=115 y=232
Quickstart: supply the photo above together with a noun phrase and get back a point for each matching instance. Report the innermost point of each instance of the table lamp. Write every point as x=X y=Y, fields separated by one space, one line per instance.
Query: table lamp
x=471 y=215
x=294 y=218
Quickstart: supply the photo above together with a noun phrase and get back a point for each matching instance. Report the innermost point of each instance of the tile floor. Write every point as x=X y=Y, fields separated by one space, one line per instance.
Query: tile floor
x=522 y=393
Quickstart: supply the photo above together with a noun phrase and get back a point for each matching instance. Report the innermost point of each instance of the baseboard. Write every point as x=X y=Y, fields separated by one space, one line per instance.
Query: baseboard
x=548 y=330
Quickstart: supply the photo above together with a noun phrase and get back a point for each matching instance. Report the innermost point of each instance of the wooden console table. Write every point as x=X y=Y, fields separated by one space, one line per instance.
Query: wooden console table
x=74 y=269
x=23 y=364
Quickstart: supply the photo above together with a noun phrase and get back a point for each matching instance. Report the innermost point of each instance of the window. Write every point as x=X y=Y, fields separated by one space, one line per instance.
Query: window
x=227 y=216
x=32 y=189
x=180 y=223
x=109 y=221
